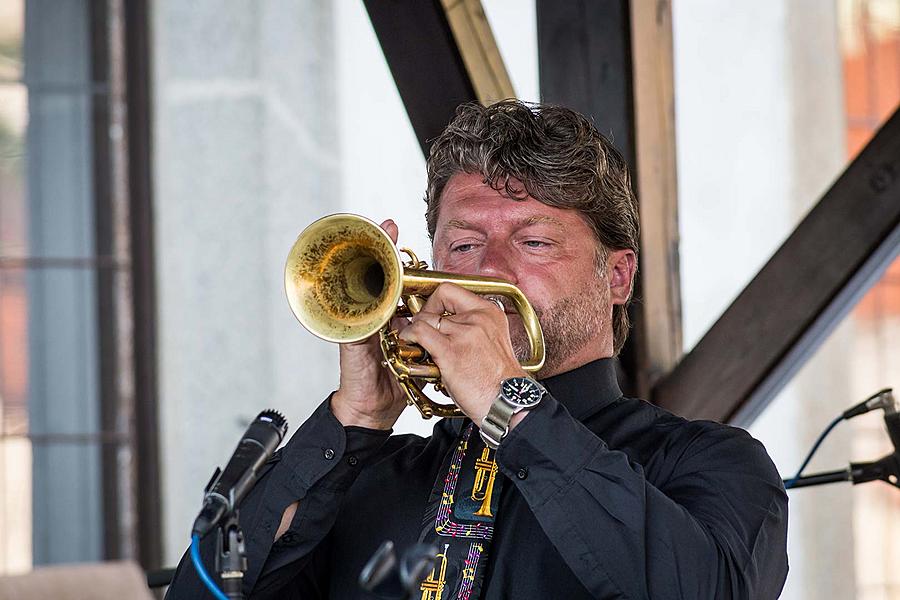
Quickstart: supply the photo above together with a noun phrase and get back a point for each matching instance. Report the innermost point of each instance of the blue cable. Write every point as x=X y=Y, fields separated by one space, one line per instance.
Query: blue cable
x=198 y=565
x=790 y=482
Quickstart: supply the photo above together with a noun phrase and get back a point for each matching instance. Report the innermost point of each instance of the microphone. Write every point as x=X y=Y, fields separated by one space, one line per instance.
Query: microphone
x=886 y=468
x=882 y=399
x=228 y=487
x=892 y=422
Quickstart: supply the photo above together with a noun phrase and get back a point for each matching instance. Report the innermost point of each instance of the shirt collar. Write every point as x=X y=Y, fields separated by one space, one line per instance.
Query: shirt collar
x=587 y=389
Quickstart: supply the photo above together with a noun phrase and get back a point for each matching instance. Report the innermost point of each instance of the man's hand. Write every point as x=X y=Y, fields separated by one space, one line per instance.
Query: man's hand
x=471 y=346
x=368 y=395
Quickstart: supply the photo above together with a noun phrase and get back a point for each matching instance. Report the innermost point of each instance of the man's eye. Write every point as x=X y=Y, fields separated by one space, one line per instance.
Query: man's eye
x=463 y=248
x=535 y=243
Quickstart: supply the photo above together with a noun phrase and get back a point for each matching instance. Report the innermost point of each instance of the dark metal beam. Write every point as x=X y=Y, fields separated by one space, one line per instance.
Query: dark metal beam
x=836 y=253
x=424 y=60
x=105 y=280
x=143 y=273
x=584 y=60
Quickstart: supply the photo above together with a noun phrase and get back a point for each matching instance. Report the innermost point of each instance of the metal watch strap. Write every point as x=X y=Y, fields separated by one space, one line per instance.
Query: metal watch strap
x=495 y=425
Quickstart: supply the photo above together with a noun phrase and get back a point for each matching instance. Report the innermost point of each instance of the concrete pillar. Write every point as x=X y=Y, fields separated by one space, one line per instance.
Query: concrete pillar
x=245 y=155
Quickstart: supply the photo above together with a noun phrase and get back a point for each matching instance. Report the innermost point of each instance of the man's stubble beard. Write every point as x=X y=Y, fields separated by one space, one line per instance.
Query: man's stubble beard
x=568 y=325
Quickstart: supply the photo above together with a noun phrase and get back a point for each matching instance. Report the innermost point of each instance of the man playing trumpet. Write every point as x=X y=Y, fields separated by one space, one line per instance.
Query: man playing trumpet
x=592 y=494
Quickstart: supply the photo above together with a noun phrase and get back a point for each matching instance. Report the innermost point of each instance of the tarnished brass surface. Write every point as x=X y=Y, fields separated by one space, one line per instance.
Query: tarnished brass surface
x=345 y=280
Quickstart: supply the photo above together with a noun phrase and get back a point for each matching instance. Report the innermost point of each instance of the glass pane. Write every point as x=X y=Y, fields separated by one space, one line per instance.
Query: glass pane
x=13 y=199
x=60 y=191
x=67 y=506
x=12 y=23
x=843 y=538
x=770 y=106
x=870 y=45
x=15 y=506
x=63 y=390
x=13 y=353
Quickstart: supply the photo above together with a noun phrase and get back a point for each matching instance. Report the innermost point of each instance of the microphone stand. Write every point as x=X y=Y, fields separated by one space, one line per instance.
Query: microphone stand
x=231 y=556
x=885 y=469
x=388 y=577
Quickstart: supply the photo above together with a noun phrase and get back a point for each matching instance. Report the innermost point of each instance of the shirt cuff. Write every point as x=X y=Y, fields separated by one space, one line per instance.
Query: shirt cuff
x=546 y=450
x=324 y=452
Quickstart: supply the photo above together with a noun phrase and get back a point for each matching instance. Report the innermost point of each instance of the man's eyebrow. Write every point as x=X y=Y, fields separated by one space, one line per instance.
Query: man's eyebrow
x=541 y=219
x=458 y=224
x=525 y=222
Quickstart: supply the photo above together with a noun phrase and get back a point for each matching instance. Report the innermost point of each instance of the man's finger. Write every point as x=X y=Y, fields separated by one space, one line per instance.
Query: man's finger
x=428 y=337
x=433 y=319
x=392 y=230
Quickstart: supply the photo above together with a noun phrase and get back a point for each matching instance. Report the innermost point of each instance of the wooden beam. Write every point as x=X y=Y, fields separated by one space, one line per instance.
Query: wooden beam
x=836 y=253
x=612 y=61
x=441 y=53
x=658 y=332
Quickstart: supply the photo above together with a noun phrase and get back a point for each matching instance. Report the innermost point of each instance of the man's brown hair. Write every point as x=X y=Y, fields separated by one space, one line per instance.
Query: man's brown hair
x=559 y=157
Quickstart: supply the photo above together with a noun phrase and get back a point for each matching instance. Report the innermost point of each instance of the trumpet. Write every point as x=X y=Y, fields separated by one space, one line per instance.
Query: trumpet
x=345 y=281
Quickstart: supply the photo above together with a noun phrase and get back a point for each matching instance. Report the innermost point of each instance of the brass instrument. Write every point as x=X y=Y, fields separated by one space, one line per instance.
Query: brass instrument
x=431 y=588
x=483 y=488
x=345 y=281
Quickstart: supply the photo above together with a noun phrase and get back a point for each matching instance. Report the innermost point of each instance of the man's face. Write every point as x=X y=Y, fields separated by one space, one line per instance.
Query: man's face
x=549 y=253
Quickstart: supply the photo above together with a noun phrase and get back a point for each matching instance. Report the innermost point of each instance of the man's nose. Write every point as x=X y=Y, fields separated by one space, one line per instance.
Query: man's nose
x=496 y=262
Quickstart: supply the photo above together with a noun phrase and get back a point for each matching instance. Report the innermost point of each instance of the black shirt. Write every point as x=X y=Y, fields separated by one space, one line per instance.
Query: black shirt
x=604 y=497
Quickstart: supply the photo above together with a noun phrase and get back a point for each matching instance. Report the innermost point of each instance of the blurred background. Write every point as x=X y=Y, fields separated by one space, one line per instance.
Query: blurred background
x=158 y=158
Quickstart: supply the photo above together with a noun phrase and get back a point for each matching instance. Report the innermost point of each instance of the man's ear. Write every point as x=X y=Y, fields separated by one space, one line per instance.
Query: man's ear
x=621 y=265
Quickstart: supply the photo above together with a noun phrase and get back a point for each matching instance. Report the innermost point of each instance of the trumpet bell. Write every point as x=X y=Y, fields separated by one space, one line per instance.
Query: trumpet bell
x=343 y=278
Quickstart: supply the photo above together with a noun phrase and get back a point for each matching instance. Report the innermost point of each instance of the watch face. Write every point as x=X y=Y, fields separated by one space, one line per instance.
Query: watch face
x=522 y=391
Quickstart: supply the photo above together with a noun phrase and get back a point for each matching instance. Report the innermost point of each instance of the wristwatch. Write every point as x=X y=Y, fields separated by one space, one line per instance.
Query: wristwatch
x=516 y=394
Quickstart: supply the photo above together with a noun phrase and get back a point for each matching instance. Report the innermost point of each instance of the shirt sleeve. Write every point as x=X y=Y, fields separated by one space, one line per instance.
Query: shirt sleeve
x=316 y=467
x=716 y=526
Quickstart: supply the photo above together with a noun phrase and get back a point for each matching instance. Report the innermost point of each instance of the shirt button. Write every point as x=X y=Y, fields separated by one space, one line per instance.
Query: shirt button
x=353 y=461
x=329 y=454
x=523 y=473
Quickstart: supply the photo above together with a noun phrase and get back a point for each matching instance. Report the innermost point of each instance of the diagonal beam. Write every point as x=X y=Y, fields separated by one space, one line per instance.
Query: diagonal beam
x=836 y=253
x=441 y=53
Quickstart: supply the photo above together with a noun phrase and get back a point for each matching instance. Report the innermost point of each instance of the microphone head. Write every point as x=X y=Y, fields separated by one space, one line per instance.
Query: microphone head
x=883 y=399
x=276 y=419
